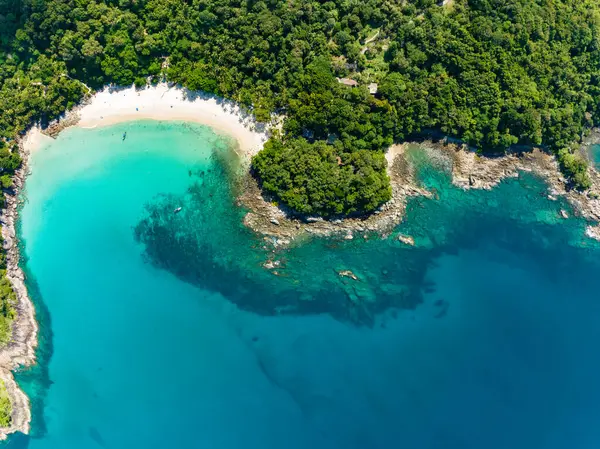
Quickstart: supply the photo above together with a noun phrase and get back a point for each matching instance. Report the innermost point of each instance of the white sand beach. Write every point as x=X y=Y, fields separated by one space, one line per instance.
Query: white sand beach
x=162 y=102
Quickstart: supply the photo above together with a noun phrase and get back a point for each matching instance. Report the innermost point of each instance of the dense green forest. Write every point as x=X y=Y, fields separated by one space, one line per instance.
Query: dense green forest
x=496 y=73
x=5 y=406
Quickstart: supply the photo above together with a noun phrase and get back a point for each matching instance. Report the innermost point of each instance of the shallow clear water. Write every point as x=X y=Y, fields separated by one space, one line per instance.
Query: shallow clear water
x=162 y=330
x=595 y=155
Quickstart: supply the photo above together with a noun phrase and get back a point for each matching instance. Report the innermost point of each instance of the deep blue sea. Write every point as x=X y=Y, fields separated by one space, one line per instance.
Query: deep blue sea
x=162 y=330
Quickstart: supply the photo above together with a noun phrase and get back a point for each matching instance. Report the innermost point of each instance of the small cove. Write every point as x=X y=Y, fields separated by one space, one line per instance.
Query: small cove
x=164 y=330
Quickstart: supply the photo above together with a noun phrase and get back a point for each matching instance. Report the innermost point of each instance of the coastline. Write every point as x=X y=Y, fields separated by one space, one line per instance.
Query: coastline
x=165 y=102
x=468 y=170
x=20 y=352
x=268 y=219
x=169 y=103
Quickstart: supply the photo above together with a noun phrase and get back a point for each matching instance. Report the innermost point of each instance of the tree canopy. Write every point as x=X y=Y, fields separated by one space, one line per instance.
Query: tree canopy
x=495 y=73
x=312 y=178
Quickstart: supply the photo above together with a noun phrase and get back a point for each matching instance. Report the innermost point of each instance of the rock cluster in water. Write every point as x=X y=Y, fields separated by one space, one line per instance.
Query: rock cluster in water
x=267 y=218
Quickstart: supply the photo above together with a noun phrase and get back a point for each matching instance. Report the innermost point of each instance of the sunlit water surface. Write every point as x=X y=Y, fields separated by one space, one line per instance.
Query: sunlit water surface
x=163 y=330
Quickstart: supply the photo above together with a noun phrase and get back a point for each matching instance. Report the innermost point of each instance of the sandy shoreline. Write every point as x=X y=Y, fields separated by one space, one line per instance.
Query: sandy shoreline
x=160 y=102
x=34 y=139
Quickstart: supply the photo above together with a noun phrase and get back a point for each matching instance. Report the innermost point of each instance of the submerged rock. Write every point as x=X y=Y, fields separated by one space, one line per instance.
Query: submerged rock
x=348 y=274
x=593 y=232
x=96 y=436
x=270 y=264
x=282 y=242
x=407 y=239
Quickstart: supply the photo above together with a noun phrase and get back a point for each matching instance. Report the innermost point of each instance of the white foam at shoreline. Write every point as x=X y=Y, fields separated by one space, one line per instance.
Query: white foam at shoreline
x=34 y=140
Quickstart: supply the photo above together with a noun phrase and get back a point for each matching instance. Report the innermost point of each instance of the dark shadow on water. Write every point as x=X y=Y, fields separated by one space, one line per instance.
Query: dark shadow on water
x=206 y=245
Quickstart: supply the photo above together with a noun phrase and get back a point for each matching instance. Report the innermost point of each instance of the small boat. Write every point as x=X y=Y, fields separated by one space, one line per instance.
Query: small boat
x=176 y=211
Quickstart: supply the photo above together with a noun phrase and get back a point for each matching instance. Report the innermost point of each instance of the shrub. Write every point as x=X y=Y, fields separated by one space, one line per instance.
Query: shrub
x=574 y=167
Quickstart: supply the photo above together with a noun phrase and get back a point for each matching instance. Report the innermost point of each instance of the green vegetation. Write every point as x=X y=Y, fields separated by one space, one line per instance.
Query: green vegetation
x=5 y=406
x=499 y=73
x=9 y=162
x=575 y=168
x=495 y=73
x=8 y=300
x=313 y=179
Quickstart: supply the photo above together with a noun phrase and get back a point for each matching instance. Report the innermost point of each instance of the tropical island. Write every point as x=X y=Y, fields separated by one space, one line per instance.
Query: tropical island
x=337 y=83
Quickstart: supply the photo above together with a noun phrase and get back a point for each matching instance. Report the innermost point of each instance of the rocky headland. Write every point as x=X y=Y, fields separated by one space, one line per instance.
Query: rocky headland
x=282 y=227
x=472 y=171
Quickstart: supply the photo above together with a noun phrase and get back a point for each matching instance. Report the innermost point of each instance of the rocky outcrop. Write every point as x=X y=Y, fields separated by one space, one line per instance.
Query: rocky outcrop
x=70 y=118
x=593 y=232
x=21 y=411
x=348 y=274
x=473 y=171
x=469 y=170
x=407 y=240
x=267 y=218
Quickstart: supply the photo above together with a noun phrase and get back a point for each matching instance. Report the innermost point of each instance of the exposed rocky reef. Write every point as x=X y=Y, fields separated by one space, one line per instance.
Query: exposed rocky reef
x=267 y=218
x=469 y=170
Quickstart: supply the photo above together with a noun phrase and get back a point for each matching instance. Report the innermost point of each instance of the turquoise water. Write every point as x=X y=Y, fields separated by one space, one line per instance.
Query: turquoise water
x=162 y=330
x=595 y=155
